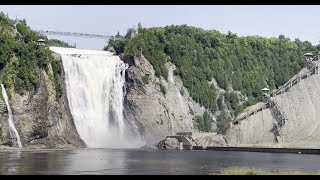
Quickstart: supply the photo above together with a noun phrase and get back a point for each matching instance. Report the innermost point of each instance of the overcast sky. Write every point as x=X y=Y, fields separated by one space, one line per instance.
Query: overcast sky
x=269 y=21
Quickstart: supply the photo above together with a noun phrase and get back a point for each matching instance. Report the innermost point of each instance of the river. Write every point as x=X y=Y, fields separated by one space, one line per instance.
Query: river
x=141 y=161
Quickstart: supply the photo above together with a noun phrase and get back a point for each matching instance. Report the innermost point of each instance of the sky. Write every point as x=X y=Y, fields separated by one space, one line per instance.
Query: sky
x=268 y=21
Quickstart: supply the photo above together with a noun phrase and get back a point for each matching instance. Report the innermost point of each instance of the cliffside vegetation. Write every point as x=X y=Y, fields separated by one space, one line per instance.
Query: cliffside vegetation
x=243 y=64
x=20 y=55
x=204 y=122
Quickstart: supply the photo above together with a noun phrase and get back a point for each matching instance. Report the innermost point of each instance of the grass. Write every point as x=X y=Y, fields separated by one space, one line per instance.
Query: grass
x=248 y=171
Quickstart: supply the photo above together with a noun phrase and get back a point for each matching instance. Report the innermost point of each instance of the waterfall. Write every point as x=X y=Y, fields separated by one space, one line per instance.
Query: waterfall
x=95 y=84
x=12 y=129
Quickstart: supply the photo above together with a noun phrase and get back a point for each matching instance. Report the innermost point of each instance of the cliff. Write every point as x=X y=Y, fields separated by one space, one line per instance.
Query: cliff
x=159 y=111
x=42 y=120
x=301 y=106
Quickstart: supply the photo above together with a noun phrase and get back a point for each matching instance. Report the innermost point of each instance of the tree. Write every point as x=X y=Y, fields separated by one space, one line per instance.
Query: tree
x=130 y=33
x=139 y=27
x=20 y=55
x=223 y=121
x=118 y=35
x=207 y=121
x=204 y=122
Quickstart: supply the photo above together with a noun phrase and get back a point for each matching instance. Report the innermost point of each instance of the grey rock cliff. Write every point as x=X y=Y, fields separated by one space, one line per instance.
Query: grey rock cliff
x=301 y=105
x=41 y=120
x=155 y=113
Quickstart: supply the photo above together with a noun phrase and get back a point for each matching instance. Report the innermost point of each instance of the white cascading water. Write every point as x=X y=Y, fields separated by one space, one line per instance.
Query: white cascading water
x=95 y=88
x=12 y=129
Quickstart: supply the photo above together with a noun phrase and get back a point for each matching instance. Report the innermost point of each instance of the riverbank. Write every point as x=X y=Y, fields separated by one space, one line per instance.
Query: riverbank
x=260 y=149
x=247 y=171
x=10 y=149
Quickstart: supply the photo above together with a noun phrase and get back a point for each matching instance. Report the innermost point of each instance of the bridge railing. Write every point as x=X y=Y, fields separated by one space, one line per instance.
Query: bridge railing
x=76 y=34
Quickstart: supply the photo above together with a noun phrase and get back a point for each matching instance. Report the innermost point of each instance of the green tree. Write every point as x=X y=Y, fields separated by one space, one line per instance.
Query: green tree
x=118 y=35
x=223 y=122
x=139 y=27
x=204 y=122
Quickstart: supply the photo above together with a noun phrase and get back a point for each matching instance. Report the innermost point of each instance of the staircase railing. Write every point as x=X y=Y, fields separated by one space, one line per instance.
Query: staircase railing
x=192 y=140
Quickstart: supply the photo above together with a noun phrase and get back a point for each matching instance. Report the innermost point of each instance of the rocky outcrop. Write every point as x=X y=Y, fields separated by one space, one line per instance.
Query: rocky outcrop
x=168 y=143
x=158 y=114
x=41 y=120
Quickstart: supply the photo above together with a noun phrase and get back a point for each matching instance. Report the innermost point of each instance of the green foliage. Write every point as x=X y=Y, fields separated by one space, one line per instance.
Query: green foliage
x=129 y=33
x=223 y=121
x=139 y=27
x=204 y=122
x=247 y=64
x=118 y=35
x=56 y=42
x=117 y=45
x=57 y=69
x=19 y=56
x=163 y=89
x=250 y=102
x=220 y=102
x=232 y=101
x=145 y=79
x=19 y=74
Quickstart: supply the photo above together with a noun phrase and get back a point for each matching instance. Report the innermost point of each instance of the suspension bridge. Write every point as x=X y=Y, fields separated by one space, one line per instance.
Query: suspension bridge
x=76 y=34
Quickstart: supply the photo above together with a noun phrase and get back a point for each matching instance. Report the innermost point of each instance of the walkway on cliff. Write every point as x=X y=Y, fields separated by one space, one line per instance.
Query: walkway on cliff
x=312 y=68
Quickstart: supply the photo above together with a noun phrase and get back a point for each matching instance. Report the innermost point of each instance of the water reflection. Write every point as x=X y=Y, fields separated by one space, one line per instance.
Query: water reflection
x=18 y=162
x=137 y=161
x=95 y=161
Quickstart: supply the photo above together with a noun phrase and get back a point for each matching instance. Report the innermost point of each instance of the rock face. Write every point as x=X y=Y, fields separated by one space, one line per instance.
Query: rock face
x=301 y=105
x=302 y=108
x=255 y=130
x=209 y=139
x=41 y=120
x=158 y=114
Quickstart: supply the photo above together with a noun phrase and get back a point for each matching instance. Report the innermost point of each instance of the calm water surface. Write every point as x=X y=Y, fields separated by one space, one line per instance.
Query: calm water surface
x=138 y=161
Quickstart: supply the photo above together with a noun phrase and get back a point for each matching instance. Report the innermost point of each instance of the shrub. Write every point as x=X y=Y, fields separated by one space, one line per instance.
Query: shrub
x=145 y=79
x=163 y=89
